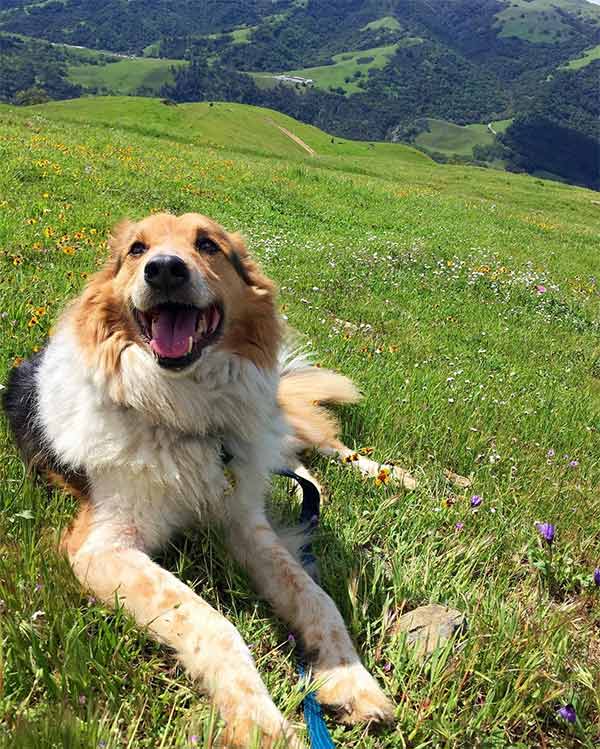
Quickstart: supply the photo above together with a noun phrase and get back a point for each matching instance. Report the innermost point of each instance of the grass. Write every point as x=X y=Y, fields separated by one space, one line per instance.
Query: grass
x=346 y=65
x=388 y=23
x=465 y=362
x=500 y=126
x=125 y=76
x=585 y=58
x=540 y=21
x=451 y=139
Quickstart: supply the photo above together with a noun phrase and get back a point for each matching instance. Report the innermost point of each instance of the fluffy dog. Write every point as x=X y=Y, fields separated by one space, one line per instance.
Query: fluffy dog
x=170 y=358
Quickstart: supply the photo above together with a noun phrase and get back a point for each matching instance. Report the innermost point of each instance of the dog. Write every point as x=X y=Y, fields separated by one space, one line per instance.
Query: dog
x=173 y=356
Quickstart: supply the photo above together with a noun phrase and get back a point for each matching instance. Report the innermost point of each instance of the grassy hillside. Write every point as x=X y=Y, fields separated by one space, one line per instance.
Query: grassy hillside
x=585 y=58
x=125 y=76
x=343 y=72
x=464 y=302
x=544 y=21
x=452 y=139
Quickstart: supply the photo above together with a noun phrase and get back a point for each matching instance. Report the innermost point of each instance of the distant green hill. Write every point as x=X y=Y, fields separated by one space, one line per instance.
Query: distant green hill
x=126 y=76
x=230 y=126
x=465 y=304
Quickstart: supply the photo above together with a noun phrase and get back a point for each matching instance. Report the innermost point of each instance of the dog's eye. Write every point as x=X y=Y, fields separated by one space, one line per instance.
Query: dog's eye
x=206 y=246
x=137 y=248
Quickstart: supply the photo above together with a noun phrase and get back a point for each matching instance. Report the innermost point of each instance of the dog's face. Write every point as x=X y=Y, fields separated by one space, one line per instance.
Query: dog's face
x=178 y=286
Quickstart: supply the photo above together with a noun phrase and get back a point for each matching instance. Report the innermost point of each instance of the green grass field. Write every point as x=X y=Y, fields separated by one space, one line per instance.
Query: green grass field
x=347 y=64
x=388 y=23
x=452 y=139
x=125 y=76
x=541 y=21
x=585 y=58
x=465 y=304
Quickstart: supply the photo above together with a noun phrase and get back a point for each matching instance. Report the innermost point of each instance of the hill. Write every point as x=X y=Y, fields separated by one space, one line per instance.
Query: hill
x=465 y=304
x=374 y=68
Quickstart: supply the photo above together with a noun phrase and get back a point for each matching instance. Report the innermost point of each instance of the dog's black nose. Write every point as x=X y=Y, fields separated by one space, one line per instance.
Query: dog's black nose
x=166 y=272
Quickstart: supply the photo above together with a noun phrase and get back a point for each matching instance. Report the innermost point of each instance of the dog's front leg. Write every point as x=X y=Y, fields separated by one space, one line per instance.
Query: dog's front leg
x=347 y=686
x=108 y=562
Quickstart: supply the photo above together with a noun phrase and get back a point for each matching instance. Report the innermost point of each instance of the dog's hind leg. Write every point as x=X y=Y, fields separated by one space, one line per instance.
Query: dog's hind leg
x=345 y=685
x=108 y=560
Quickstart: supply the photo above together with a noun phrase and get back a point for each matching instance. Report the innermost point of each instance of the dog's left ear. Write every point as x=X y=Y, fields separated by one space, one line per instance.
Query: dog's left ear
x=246 y=268
x=117 y=240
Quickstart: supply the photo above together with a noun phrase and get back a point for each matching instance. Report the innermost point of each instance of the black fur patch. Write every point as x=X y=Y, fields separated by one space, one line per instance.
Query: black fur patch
x=20 y=403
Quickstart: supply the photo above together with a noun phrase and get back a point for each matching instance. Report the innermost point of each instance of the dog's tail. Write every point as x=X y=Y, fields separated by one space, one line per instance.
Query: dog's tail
x=303 y=390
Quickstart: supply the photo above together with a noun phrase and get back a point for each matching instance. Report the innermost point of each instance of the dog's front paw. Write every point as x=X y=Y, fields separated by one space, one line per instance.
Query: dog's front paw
x=353 y=695
x=245 y=728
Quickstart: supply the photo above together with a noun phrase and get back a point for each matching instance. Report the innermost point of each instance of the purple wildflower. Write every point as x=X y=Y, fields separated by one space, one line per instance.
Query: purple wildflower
x=291 y=639
x=82 y=699
x=597 y=576
x=567 y=712
x=458 y=527
x=37 y=588
x=387 y=667
x=573 y=463
x=546 y=531
x=540 y=289
x=476 y=500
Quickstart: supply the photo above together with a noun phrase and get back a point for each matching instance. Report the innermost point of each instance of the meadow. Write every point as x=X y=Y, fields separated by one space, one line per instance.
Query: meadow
x=454 y=139
x=125 y=76
x=465 y=304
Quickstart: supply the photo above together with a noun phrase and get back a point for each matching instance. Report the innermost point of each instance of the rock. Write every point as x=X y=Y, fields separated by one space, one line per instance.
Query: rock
x=454 y=478
x=429 y=627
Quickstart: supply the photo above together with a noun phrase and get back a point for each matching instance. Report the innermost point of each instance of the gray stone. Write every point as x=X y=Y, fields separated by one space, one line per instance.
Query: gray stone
x=429 y=627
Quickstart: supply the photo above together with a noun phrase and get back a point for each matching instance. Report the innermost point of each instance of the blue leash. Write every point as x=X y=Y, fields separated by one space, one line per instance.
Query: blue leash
x=318 y=734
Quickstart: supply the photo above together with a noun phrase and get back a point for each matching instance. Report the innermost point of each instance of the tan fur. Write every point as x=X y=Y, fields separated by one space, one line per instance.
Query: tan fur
x=107 y=551
x=300 y=396
x=103 y=316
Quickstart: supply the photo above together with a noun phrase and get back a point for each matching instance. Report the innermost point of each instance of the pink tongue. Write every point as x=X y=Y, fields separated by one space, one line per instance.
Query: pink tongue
x=171 y=331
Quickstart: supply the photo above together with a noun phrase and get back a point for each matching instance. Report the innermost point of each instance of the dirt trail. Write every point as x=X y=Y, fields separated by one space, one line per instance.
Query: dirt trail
x=293 y=137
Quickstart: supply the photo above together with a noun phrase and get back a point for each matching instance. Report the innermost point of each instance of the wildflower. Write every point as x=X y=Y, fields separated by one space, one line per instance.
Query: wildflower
x=291 y=640
x=447 y=502
x=366 y=451
x=573 y=463
x=37 y=588
x=387 y=667
x=476 y=500
x=40 y=311
x=550 y=454
x=540 y=289
x=567 y=712
x=194 y=740
x=17 y=361
x=34 y=321
x=82 y=699
x=546 y=531
x=383 y=477
x=68 y=250
x=458 y=527
x=597 y=576
x=350 y=458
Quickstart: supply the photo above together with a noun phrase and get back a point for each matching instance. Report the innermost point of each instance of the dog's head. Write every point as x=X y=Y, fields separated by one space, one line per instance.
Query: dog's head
x=180 y=287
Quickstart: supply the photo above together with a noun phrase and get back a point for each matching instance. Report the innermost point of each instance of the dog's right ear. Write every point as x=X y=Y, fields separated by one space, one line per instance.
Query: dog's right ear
x=118 y=240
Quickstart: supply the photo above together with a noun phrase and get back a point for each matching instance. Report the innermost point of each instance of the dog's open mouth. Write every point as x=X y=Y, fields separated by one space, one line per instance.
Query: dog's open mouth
x=177 y=333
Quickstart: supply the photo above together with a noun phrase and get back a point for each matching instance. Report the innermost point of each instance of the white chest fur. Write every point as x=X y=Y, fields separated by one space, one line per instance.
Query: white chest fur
x=155 y=462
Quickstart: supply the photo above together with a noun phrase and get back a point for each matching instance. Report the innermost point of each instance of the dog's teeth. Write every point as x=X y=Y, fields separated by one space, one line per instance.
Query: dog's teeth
x=190 y=344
